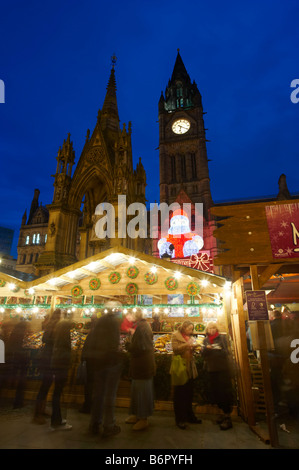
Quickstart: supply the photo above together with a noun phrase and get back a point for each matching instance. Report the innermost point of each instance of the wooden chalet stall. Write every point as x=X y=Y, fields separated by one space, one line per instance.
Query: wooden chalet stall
x=124 y=279
x=257 y=241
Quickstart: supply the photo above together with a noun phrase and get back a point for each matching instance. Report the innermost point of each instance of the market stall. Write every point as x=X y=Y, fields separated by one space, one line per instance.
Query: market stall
x=124 y=280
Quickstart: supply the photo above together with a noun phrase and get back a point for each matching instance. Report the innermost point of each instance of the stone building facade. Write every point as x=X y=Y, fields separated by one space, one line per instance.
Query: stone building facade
x=64 y=232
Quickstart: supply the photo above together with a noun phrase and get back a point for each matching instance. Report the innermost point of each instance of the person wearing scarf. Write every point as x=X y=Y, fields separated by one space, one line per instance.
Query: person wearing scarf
x=216 y=359
x=183 y=344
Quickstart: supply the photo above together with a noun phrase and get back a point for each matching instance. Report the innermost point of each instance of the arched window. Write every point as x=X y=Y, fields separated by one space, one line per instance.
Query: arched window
x=34 y=239
x=193 y=165
x=38 y=239
x=173 y=168
x=183 y=166
x=27 y=240
x=46 y=236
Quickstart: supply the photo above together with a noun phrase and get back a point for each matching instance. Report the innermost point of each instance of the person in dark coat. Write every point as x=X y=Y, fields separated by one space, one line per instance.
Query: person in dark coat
x=142 y=371
x=156 y=325
x=45 y=366
x=281 y=330
x=60 y=364
x=86 y=357
x=217 y=363
x=18 y=360
x=106 y=357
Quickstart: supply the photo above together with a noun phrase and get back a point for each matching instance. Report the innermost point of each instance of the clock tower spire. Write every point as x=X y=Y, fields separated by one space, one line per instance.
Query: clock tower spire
x=182 y=141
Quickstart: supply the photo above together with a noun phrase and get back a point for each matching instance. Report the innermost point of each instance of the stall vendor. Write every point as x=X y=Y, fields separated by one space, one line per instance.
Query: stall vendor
x=128 y=324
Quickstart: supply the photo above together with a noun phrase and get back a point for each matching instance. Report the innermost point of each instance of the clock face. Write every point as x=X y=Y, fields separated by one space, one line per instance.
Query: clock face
x=181 y=126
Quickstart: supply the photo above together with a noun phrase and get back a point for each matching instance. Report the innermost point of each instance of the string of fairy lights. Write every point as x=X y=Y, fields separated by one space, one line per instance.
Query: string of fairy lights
x=86 y=310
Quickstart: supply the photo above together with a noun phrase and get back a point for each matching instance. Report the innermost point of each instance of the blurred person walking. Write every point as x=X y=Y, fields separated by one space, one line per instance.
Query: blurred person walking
x=142 y=371
x=18 y=361
x=86 y=357
x=60 y=364
x=217 y=362
x=106 y=357
x=45 y=368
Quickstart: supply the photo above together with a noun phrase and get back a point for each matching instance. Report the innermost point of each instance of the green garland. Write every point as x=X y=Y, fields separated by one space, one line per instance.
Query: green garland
x=114 y=277
x=150 y=278
x=77 y=291
x=94 y=284
x=171 y=283
x=2 y=283
x=132 y=272
x=131 y=288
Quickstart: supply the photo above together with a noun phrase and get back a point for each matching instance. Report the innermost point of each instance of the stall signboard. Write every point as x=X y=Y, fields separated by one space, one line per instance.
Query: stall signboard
x=257 y=305
x=283 y=226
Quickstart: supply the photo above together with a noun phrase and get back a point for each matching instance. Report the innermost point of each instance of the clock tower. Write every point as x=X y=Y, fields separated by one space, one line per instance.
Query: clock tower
x=182 y=142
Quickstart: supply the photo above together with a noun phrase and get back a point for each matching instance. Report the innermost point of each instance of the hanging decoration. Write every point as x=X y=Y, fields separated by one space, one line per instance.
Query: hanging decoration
x=193 y=288
x=132 y=272
x=2 y=283
x=77 y=291
x=131 y=288
x=114 y=277
x=150 y=278
x=171 y=283
x=94 y=284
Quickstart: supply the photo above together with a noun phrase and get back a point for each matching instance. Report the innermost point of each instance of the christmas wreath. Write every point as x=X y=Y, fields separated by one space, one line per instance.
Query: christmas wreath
x=16 y=289
x=131 y=288
x=193 y=288
x=171 y=283
x=2 y=283
x=132 y=272
x=94 y=283
x=150 y=278
x=77 y=291
x=114 y=277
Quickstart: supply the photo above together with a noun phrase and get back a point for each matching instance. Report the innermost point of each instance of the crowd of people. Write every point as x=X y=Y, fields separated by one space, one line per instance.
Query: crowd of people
x=103 y=366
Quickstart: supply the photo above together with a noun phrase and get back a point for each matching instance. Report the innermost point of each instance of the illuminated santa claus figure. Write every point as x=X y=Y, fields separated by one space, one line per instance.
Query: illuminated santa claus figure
x=180 y=242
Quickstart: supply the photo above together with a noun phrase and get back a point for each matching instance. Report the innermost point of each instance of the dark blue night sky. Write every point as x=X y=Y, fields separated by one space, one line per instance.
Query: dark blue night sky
x=55 y=62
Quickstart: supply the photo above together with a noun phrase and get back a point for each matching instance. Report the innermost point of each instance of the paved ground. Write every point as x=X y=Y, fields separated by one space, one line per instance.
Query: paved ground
x=18 y=432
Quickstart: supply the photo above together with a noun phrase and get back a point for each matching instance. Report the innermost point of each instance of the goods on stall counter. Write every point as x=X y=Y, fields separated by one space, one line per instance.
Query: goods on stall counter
x=166 y=326
x=162 y=343
x=123 y=342
x=77 y=339
x=199 y=342
x=34 y=340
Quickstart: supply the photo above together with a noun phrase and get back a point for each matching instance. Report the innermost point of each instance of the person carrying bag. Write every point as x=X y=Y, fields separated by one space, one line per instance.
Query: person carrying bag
x=178 y=371
x=183 y=373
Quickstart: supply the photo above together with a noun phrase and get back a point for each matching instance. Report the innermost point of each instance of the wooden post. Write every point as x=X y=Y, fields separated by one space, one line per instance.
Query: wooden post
x=240 y=338
x=267 y=384
x=53 y=303
x=255 y=284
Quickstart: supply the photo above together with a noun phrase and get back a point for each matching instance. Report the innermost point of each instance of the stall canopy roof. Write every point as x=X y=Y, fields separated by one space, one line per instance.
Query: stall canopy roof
x=101 y=265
